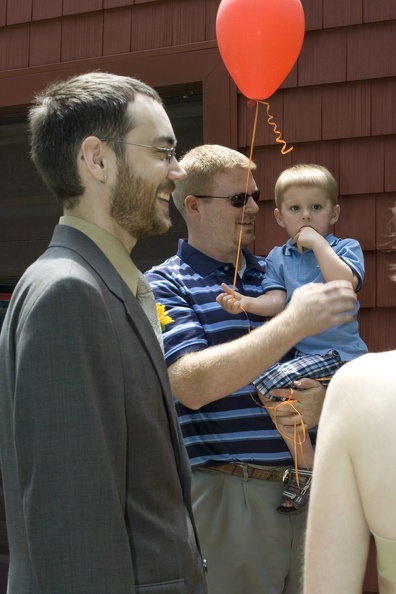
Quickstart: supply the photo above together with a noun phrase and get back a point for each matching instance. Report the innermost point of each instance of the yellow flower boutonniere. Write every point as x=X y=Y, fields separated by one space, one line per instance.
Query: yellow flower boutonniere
x=164 y=319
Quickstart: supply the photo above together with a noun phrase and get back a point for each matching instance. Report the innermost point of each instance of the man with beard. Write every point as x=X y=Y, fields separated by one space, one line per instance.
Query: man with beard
x=95 y=474
x=237 y=455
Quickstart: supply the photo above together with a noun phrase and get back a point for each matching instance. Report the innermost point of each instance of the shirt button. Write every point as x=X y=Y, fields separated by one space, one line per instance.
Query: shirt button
x=226 y=268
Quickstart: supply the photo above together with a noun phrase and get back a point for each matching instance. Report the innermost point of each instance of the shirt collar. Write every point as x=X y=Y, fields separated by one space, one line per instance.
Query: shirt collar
x=112 y=248
x=205 y=265
x=288 y=248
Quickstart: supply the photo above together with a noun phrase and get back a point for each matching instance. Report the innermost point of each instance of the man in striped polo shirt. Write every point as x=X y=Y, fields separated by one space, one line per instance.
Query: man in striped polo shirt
x=238 y=457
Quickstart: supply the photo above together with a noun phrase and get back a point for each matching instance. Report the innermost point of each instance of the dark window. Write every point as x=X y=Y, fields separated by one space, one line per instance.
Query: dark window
x=29 y=212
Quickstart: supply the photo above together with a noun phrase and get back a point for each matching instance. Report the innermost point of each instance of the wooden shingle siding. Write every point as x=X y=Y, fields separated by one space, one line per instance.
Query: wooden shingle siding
x=45 y=42
x=370 y=49
x=82 y=36
x=383 y=106
x=352 y=224
x=14 y=47
x=338 y=13
x=116 y=3
x=379 y=10
x=362 y=165
x=117 y=31
x=3 y=8
x=151 y=26
x=302 y=120
x=390 y=163
x=81 y=6
x=19 y=12
x=323 y=58
x=313 y=11
x=346 y=110
x=188 y=22
x=42 y=9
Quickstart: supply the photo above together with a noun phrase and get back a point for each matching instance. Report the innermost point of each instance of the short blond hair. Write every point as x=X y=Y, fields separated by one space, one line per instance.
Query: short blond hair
x=306 y=175
x=202 y=163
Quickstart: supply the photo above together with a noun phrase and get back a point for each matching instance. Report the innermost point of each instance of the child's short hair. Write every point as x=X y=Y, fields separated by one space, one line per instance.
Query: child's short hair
x=306 y=175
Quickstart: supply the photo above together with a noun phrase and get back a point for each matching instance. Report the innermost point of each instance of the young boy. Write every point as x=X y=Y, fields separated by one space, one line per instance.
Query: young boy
x=306 y=205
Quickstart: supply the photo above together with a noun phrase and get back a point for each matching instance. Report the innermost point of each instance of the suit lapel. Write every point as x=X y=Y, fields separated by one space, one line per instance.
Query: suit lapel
x=70 y=238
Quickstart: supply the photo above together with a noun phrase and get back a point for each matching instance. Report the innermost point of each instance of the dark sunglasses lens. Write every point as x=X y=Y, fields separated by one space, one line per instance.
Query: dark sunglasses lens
x=256 y=196
x=239 y=200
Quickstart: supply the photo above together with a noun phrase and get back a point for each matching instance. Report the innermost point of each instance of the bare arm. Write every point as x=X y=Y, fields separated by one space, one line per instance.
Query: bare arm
x=207 y=375
x=355 y=450
x=331 y=266
x=267 y=305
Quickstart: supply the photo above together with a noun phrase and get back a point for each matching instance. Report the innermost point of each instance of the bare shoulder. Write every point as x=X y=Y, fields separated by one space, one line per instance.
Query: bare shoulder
x=368 y=380
x=367 y=369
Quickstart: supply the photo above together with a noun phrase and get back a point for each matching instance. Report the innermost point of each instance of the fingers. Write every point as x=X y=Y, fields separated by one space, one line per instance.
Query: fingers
x=305 y=383
x=226 y=289
x=229 y=303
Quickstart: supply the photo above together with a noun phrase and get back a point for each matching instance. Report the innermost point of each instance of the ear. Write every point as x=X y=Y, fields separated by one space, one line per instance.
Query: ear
x=93 y=156
x=191 y=204
x=335 y=215
x=278 y=217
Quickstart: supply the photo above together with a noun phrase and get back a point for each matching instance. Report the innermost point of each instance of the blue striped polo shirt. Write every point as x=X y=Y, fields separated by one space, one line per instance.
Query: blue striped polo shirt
x=234 y=428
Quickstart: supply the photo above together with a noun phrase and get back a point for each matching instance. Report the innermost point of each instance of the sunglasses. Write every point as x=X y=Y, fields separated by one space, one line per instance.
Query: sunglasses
x=237 y=200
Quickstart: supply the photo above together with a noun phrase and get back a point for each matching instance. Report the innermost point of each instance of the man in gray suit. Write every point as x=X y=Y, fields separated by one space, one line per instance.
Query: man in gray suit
x=96 y=478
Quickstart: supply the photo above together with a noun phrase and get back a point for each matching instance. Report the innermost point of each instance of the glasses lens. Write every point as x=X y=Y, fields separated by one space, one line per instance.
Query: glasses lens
x=171 y=153
x=239 y=200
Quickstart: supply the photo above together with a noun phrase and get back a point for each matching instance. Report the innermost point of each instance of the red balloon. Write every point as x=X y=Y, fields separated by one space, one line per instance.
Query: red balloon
x=259 y=42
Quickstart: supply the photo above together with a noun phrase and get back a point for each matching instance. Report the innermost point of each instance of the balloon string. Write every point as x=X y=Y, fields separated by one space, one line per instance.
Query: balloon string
x=276 y=131
x=244 y=206
x=297 y=441
x=284 y=151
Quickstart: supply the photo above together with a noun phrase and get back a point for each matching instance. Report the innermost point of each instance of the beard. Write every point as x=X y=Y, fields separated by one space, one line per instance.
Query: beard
x=134 y=204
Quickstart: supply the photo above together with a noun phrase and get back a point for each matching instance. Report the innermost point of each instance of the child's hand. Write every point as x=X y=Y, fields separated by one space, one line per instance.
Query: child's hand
x=307 y=238
x=229 y=300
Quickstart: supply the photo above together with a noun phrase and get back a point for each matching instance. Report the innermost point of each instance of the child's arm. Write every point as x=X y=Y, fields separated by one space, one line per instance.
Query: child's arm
x=266 y=305
x=331 y=266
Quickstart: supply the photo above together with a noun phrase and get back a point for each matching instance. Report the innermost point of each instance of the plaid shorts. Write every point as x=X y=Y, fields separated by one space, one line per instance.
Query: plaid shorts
x=283 y=375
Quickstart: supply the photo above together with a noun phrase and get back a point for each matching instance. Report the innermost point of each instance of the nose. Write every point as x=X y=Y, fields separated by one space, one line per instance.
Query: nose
x=306 y=213
x=175 y=170
x=252 y=206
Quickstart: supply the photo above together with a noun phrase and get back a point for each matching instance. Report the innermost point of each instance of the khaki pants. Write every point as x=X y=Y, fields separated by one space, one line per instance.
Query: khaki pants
x=250 y=548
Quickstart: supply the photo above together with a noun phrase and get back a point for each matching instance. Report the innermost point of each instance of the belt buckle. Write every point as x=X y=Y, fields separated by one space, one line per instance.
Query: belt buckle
x=245 y=471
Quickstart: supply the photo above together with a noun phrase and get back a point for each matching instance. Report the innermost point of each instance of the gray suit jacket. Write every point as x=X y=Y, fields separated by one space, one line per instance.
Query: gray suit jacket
x=96 y=478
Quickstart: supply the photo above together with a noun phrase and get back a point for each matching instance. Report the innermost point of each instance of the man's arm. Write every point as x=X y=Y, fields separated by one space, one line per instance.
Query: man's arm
x=201 y=377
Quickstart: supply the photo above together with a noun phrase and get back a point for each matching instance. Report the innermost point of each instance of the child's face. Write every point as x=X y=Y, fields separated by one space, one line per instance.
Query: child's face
x=306 y=207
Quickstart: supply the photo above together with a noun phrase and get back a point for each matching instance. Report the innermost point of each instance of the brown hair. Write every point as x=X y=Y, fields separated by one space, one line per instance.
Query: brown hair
x=306 y=175
x=202 y=163
x=67 y=112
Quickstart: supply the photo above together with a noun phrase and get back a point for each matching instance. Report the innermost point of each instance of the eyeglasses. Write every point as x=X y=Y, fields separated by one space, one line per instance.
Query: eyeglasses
x=169 y=152
x=237 y=200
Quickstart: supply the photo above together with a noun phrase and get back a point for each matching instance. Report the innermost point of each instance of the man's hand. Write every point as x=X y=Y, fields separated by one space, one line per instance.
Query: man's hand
x=316 y=307
x=310 y=396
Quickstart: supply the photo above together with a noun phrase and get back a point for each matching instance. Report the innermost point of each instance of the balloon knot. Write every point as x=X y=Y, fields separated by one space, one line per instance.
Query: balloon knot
x=251 y=102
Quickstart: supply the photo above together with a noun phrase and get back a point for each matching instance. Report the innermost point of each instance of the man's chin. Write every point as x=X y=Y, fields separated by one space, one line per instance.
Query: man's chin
x=158 y=228
x=247 y=239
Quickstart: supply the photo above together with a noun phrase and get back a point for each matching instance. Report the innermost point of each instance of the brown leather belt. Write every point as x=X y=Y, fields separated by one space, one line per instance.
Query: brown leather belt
x=245 y=471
